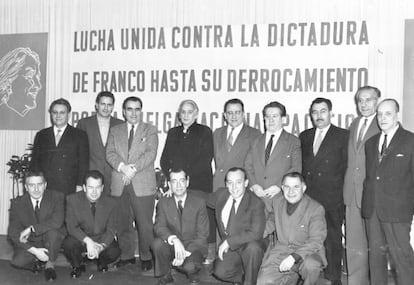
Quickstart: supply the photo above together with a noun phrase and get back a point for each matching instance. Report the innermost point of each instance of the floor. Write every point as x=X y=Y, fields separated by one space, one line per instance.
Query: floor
x=130 y=274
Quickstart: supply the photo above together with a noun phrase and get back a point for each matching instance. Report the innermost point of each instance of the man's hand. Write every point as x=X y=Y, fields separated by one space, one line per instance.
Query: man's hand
x=258 y=190
x=167 y=193
x=128 y=170
x=179 y=249
x=79 y=188
x=223 y=248
x=271 y=191
x=91 y=248
x=41 y=253
x=24 y=235
x=287 y=264
x=99 y=248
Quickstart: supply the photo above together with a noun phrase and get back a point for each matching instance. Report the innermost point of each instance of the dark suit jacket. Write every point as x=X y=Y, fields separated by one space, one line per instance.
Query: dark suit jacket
x=65 y=165
x=142 y=154
x=22 y=215
x=303 y=232
x=355 y=173
x=192 y=152
x=389 y=184
x=192 y=230
x=81 y=223
x=249 y=222
x=224 y=159
x=97 y=152
x=324 y=173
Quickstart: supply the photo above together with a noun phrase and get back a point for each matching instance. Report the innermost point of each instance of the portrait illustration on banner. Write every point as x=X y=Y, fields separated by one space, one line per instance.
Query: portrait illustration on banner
x=22 y=81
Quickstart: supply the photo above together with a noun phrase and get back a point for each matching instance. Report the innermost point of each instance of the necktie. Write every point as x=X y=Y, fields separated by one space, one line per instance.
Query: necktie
x=361 y=132
x=383 y=147
x=318 y=143
x=230 y=140
x=37 y=210
x=232 y=216
x=93 y=209
x=58 y=136
x=131 y=137
x=180 y=207
x=268 y=149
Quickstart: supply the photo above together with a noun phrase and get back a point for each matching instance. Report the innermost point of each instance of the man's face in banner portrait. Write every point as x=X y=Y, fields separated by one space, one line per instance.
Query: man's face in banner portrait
x=20 y=80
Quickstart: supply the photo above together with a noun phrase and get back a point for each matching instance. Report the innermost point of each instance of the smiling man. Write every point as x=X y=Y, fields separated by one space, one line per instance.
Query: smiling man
x=387 y=199
x=97 y=127
x=61 y=152
x=36 y=226
x=90 y=220
x=300 y=227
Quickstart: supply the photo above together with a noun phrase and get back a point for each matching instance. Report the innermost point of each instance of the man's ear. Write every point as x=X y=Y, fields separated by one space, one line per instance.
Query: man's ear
x=303 y=187
x=246 y=182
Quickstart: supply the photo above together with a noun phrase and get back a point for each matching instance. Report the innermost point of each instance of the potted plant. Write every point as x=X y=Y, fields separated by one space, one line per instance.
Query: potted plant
x=19 y=165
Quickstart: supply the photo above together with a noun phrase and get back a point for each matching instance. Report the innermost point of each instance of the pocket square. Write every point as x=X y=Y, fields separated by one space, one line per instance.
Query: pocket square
x=400 y=155
x=302 y=226
x=143 y=139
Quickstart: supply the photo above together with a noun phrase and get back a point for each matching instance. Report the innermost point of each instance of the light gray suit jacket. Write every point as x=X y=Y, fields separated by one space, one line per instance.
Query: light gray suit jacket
x=285 y=157
x=142 y=154
x=224 y=159
x=97 y=152
x=355 y=173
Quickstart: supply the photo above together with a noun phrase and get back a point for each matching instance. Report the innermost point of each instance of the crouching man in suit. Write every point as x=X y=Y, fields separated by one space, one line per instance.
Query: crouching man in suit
x=36 y=226
x=181 y=230
x=300 y=227
x=240 y=217
x=90 y=220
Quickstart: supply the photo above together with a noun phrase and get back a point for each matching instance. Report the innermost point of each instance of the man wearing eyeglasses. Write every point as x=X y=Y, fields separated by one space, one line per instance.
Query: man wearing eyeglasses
x=300 y=226
x=231 y=142
x=36 y=226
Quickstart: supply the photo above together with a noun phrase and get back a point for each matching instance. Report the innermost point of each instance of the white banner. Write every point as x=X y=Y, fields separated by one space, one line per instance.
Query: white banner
x=292 y=63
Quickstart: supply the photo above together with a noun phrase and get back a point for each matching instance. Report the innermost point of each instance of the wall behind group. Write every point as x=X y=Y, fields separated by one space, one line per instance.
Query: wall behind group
x=209 y=51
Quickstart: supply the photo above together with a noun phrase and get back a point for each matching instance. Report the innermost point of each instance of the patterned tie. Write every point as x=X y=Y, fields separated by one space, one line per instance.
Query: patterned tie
x=383 y=148
x=93 y=209
x=58 y=136
x=318 y=143
x=37 y=211
x=230 y=140
x=268 y=149
x=361 y=132
x=131 y=137
x=232 y=216
x=180 y=207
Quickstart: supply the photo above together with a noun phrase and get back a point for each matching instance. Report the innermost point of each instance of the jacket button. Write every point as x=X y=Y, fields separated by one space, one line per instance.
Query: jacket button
x=378 y=178
x=221 y=170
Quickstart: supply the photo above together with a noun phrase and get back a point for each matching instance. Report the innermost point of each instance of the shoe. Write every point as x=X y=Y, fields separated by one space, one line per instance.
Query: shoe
x=167 y=278
x=77 y=271
x=146 y=265
x=194 y=279
x=50 y=274
x=37 y=267
x=124 y=262
x=102 y=267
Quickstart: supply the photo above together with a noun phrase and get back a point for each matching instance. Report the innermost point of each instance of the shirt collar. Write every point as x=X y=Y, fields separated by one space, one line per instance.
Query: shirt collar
x=34 y=201
x=182 y=199
x=55 y=129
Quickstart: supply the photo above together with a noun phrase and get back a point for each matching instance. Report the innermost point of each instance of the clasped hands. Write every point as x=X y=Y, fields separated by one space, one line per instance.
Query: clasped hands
x=93 y=248
x=180 y=252
x=268 y=193
x=129 y=172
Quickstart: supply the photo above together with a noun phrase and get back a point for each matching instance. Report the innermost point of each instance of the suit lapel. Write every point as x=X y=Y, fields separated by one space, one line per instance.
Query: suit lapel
x=219 y=209
x=280 y=145
x=30 y=207
x=173 y=211
x=261 y=148
x=396 y=140
x=354 y=134
x=97 y=132
x=326 y=143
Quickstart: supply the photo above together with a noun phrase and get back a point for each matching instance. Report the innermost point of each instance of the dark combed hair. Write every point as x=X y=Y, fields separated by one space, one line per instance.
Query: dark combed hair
x=321 y=100
x=294 y=174
x=105 y=94
x=34 y=174
x=275 y=104
x=233 y=101
x=234 y=169
x=176 y=170
x=60 y=101
x=133 y=99
x=95 y=174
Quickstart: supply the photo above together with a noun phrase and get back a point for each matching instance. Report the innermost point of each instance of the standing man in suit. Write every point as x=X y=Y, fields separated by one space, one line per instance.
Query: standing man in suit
x=231 y=142
x=181 y=229
x=361 y=129
x=36 y=226
x=131 y=151
x=61 y=152
x=97 y=128
x=324 y=153
x=300 y=226
x=90 y=219
x=240 y=217
x=387 y=199
x=272 y=154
